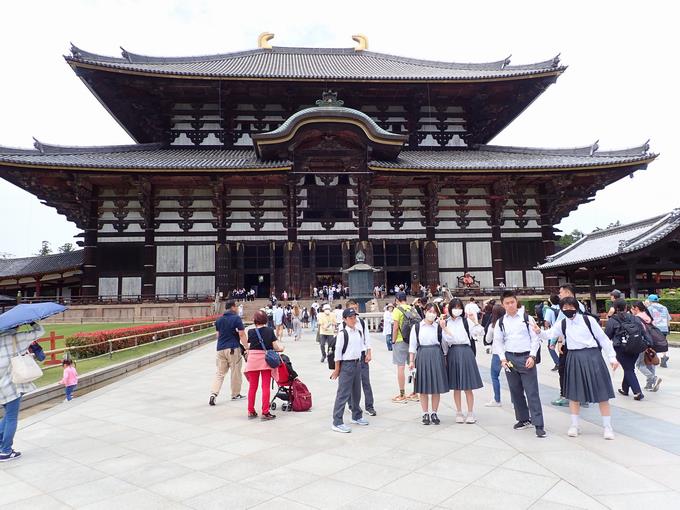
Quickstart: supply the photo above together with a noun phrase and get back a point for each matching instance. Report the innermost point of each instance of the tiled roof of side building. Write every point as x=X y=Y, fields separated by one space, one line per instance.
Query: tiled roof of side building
x=153 y=157
x=622 y=240
x=313 y=63
x=41 y=265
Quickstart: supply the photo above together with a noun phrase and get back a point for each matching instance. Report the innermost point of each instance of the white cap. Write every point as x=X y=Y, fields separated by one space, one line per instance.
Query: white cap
x=326 y=307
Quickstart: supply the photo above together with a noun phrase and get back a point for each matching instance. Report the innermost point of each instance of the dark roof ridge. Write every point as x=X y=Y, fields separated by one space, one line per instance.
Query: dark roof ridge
x=588 y=150
x=129 y=57
x=44 y=148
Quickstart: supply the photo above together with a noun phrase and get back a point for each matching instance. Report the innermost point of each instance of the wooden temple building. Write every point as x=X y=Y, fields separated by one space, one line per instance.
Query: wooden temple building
x=270 y=167
x=639 y=257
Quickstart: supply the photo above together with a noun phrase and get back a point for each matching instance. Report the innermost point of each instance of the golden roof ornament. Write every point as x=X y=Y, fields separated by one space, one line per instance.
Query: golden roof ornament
x=362 y=42
x=263 y=40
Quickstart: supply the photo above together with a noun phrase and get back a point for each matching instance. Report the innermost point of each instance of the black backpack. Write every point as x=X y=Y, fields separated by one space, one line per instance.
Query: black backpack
x=538 y=309
x=526 y=322
x=630 y=335
x=411 y=318
x=331 y=352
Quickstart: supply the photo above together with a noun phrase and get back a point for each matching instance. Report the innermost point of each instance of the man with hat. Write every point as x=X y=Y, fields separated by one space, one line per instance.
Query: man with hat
x=349 y=347
x=327 y=328
x=661 y=319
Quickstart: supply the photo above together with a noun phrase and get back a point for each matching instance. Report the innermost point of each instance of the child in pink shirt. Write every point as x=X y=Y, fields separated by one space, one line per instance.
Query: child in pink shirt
x=70 y=379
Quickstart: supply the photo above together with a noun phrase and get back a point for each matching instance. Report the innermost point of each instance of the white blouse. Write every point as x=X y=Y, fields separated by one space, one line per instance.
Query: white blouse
x=457 y=328
x=427 y=336
x=387 y=323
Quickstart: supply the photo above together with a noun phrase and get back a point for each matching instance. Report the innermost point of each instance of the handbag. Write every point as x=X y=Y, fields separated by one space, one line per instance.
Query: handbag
x=24 y=367
x=270 y=356
x=651 y=357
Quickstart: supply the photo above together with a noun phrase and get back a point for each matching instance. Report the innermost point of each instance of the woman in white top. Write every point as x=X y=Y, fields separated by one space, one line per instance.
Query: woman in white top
x=496 y=313
x=387 y=325
x=460 y=350
x=586 y=378
x=427 y=357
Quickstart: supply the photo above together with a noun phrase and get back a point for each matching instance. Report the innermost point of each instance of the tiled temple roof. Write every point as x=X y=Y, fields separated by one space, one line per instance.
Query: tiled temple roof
x=41 y=265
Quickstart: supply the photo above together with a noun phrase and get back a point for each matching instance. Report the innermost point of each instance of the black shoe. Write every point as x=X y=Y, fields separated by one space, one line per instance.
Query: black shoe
x=426 y=419
x=624 y=393
x=212 y=400
x=371 y=412
x=323 y=359
x=268 y=416
x=540 y=432
x=639 y=396
x=5 y=457
x=555 y=368
x=521 y=425
x=252 y=416
x=238 y=397
x=435 y=419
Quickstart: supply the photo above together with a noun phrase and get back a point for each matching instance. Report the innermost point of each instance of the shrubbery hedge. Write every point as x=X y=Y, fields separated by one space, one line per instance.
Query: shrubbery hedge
x=96 y=343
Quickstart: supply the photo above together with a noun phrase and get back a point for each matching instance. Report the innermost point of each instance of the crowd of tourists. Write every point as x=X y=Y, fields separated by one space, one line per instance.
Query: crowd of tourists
x=433 y=344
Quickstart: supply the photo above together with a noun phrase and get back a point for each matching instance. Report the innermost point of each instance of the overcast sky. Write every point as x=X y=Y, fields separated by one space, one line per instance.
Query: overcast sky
x=620 y=88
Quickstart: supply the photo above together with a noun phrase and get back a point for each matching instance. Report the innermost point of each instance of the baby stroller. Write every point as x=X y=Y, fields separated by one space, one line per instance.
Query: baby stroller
x=284 y=376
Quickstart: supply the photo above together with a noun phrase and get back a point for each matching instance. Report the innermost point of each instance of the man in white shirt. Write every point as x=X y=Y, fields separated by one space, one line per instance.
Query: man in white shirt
x=278 y=320
x=472 y=308
x=516 y=344
x=350 y=344
x=365 y=360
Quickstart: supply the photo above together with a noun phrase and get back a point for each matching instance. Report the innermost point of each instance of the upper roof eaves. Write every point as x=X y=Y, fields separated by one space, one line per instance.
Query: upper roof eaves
x=311 y=63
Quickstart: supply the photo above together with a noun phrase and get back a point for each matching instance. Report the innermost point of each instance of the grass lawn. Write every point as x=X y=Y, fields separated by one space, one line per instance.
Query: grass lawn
x=53 y=375
x=675 y=336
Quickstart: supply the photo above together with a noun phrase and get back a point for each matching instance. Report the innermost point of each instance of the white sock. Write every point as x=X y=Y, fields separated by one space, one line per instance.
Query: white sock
x=607 y=422
x=574 y=420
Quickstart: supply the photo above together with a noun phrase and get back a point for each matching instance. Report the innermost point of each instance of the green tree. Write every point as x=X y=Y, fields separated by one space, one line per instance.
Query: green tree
x=44 y=249
x=66 y=248
x=569 y=239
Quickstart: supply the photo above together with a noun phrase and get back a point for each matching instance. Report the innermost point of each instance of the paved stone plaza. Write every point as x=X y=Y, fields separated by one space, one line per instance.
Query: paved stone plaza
x=151 y=441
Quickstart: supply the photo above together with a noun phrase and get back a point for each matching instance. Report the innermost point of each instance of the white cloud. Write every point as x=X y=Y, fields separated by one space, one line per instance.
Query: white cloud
x=619 y=87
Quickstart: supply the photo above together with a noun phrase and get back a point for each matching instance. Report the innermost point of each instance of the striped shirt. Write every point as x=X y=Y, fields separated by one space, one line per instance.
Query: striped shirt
x=8 y=390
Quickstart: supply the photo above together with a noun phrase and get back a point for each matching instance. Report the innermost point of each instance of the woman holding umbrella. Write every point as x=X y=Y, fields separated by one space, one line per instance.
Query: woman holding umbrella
x=11 y=344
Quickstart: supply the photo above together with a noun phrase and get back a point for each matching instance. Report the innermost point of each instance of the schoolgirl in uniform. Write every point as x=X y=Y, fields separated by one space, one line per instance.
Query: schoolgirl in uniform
x=459 y=346
x=427 y=357
x=586 y=378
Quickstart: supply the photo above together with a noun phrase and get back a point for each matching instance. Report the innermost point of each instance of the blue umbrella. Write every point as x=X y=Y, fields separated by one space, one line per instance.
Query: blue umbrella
x=25 y=314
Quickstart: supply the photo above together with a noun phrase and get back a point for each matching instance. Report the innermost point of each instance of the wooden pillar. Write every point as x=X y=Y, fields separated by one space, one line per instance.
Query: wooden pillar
x=312 y=265
x=591 y=288
x=498 y=266
x=272 y=268
x=415 y=266
x=222 y=250
x=240 y=265
x=632 y=280
x=291 y=202
x=363 y=199
x=38 y=286
x=430 y=248
x=146 y=200
x=90 y=279
x=346 y=258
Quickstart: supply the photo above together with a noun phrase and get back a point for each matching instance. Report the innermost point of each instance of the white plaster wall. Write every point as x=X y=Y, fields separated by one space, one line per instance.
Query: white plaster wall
x=201 y=258
x=170 y=259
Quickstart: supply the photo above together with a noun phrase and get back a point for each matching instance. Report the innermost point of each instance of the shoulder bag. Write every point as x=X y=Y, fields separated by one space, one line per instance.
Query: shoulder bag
x=24 y=367
x=270 y=356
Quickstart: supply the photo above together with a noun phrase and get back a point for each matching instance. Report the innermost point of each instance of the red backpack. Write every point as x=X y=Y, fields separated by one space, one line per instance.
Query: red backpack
x=302 y=398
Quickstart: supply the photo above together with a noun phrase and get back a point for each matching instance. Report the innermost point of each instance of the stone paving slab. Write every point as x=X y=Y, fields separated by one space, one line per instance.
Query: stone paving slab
x=151 y=441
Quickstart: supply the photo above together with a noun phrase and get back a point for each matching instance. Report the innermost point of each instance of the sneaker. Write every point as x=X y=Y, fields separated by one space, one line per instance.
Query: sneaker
x=562 y=402
x=639 y=396
x=361 y=421
x=657 y=383
x=371 y=412
x=341 y=428
x=435 y=419
x=252 y=416
x=413 y=397
x=268 y=416
x=573 y=432
x=649 y=385
x=4 y=457
x=212 y=399
x=624 y=393
x=521 y=425
x=426 y=419
x=555 y=368
x=608 y=433
x=470 y=419
x=399 y=399
x=585 y=405
x=540 y=432
x=460 y=418
x=492 y=403
x=323 y=358
x=664 y=361
x=238 y=397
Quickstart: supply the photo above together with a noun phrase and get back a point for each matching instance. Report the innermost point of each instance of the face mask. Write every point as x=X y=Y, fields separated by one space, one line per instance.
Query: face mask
x=569 y=314
x=327 y=312
x=431 y=316
x=456 y=312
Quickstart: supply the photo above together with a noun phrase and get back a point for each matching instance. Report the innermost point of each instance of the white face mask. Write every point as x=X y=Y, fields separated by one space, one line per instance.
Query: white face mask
x=431 y=316
x=456 y=312
x=327 y=312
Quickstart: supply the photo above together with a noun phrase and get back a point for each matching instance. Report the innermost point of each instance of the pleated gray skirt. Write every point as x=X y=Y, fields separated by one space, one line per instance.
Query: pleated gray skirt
x=462 y=369
x=586 y=377
x=430 y=371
